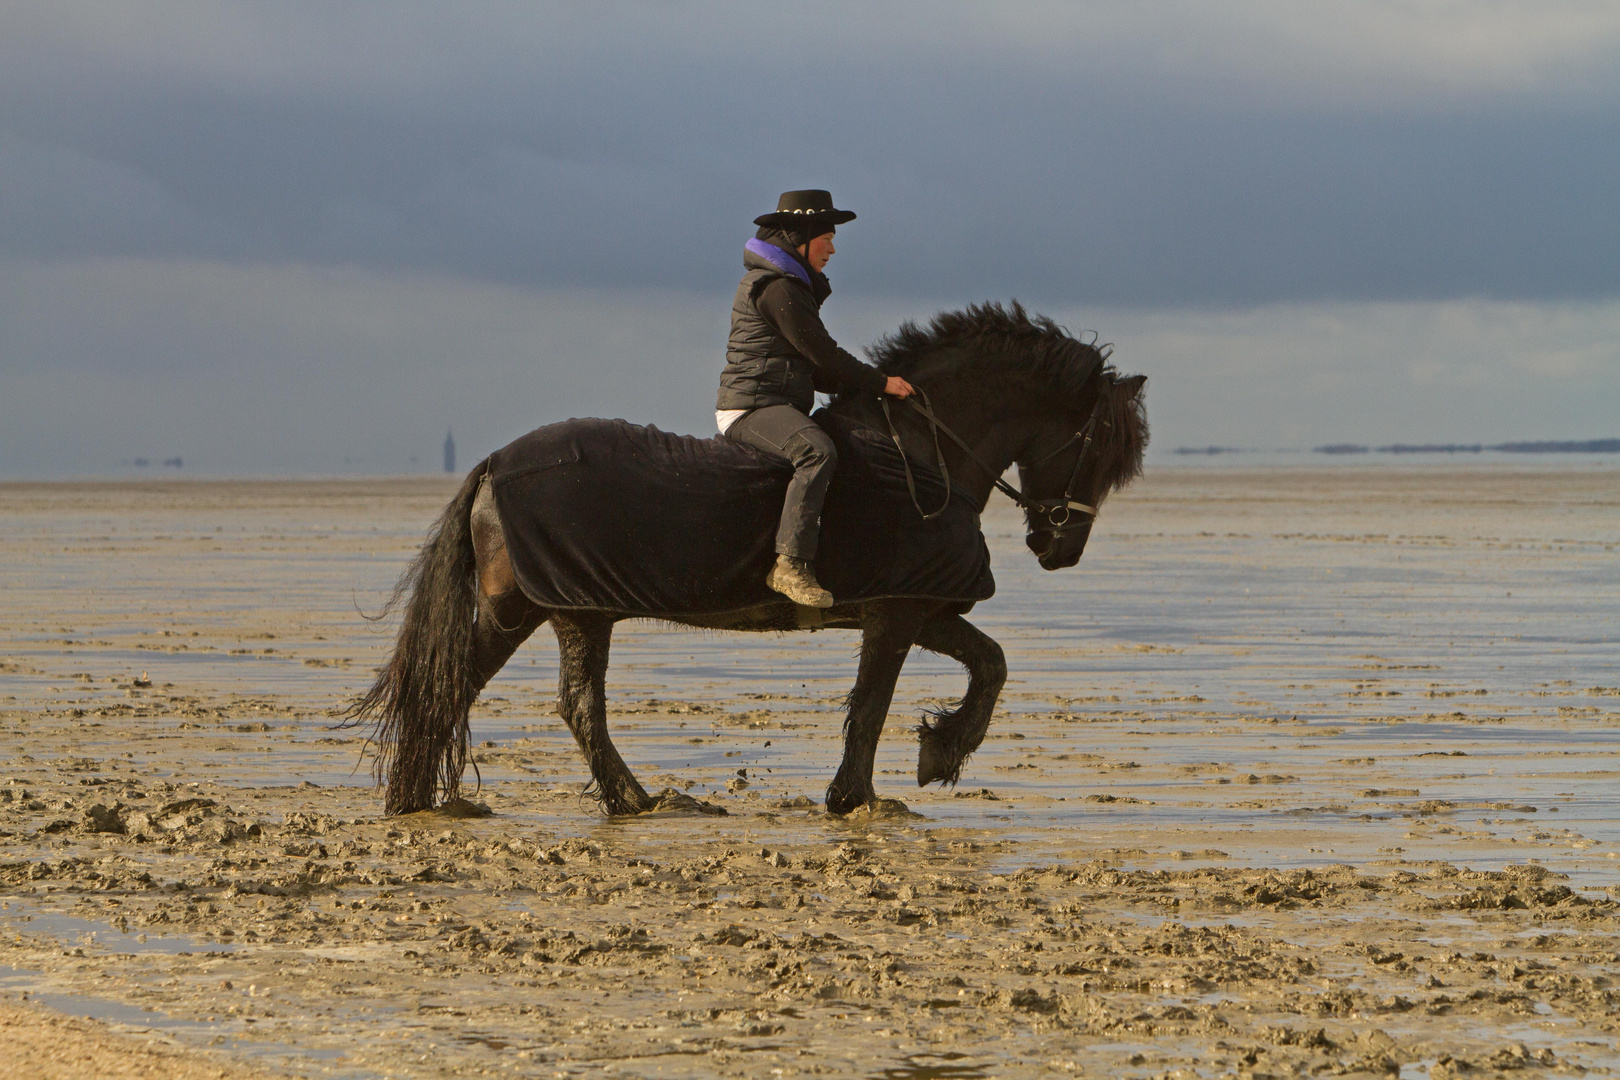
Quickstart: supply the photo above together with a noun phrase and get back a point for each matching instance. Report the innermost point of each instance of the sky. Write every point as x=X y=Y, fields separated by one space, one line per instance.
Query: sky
x=310 y=238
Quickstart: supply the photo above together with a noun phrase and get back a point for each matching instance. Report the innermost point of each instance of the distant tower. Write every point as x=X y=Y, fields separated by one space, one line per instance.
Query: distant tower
x=449 y=452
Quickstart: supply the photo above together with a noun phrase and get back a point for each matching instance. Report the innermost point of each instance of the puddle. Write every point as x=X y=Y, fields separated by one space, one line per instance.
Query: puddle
x=946 y=1066
x=88 y=933
x=492 y=1041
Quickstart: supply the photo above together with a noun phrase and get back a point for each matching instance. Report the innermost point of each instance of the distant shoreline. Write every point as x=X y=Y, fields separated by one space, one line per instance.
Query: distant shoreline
x=1588 y=446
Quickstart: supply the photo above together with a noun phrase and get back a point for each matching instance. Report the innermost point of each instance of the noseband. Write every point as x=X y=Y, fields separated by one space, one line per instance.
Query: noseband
x=1062 y=515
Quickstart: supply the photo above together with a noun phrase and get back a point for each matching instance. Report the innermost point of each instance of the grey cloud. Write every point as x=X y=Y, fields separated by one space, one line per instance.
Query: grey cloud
x=984 y=183
x=62 y=201
x=1302 y=375
x=1115 y=157
x=1334 y=52
x=308 y=236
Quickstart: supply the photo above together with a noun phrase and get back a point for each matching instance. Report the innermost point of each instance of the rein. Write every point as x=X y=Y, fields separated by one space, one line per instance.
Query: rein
x=935 y=427
x=1049 y=507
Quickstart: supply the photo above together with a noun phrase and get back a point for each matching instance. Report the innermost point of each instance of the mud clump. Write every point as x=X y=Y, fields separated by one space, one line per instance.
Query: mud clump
x=104 y=819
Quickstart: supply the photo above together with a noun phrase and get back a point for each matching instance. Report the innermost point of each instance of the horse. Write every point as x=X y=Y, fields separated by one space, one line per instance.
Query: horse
x=1006 y=386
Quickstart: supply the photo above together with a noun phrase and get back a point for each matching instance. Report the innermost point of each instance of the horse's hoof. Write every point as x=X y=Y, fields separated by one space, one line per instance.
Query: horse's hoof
x=454 y=809
x=839 y=805
x=671 y=801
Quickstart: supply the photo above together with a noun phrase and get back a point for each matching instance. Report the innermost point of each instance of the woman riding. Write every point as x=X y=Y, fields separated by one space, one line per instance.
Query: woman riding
x=778 y=356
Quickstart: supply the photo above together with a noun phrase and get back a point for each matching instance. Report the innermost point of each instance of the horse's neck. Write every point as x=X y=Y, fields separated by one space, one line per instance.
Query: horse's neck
x=994 y=440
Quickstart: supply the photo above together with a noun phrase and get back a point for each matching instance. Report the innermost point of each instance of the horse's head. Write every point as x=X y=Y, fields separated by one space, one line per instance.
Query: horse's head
x=1034 y=394
x=1075 y=460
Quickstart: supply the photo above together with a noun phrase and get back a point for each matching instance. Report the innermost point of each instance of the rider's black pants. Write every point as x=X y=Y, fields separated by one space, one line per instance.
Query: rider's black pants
x=787 y=433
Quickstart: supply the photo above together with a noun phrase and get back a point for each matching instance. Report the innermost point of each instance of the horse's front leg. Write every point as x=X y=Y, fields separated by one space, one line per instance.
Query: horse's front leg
x=887 y=632
x=943 y=746
x=583 y=638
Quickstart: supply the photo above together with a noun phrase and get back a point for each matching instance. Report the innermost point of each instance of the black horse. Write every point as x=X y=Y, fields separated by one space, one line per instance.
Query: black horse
x=1013 y=387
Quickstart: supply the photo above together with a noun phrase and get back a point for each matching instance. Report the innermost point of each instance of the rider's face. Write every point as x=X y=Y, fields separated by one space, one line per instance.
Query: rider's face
x=820 y=250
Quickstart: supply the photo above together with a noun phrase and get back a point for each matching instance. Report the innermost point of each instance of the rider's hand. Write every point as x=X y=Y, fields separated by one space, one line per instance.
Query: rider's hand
x=898 y=387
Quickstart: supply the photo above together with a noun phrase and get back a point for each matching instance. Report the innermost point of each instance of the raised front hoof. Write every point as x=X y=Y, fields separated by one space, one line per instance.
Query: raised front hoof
x=933 y=763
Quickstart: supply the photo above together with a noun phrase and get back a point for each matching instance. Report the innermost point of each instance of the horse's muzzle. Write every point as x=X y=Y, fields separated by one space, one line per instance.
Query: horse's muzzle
x=1058 y=550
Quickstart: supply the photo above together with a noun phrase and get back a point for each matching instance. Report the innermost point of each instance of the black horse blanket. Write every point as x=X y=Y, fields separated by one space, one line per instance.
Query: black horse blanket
x=609 y=515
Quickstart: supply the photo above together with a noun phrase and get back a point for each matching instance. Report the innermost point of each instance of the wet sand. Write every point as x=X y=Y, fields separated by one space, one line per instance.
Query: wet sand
x=39 y=1043
x=1301 y=772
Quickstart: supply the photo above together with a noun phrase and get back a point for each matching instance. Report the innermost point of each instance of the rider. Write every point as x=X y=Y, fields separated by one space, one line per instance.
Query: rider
x=778 y=356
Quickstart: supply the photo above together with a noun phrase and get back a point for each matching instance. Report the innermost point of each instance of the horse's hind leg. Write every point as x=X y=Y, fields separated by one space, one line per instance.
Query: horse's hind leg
x=583 y=638
x=506 y=617
x=944 y=745
x=464 y=618
x=887 y=633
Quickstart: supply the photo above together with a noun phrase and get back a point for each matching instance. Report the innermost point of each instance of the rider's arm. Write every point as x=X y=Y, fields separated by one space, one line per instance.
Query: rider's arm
x=787 y=306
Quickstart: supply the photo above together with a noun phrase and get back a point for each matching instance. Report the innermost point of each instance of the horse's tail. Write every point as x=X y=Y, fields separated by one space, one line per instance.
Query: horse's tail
x=423 y=694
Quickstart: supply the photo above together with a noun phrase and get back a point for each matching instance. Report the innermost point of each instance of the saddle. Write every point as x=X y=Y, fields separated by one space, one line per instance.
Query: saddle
x=613 y=516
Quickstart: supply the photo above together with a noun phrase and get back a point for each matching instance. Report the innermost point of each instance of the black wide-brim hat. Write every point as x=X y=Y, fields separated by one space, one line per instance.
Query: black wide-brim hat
x=809 y=207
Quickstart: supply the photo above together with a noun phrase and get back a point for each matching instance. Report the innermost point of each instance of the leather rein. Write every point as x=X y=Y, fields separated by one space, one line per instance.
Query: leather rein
x=1051 y=508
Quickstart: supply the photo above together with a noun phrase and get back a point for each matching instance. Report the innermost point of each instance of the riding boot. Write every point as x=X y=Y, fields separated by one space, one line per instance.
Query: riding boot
x=796 y=580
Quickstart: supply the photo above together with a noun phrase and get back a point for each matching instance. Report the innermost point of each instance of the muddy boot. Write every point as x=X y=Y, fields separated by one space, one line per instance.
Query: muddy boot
x=796 y=580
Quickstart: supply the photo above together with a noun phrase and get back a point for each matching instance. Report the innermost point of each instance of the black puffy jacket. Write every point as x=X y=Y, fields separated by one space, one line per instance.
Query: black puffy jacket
x=779 y=352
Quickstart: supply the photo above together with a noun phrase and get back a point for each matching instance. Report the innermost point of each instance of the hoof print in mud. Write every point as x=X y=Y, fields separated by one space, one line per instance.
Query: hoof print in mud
x=464 y=808
x=879 y=809
x=670 y=801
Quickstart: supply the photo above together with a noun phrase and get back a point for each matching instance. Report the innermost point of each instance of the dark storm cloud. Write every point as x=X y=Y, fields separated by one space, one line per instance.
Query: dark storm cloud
x=1062 y=152
x=310 y=236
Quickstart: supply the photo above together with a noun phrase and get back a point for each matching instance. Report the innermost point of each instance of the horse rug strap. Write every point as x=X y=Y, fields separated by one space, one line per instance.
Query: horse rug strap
x=939 y=458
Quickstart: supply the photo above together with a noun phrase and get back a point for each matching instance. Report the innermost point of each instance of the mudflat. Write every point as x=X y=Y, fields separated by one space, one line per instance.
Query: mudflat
x=1300 y=772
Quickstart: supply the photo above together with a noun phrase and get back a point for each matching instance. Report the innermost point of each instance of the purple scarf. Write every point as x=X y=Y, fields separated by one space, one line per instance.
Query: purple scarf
x=778 y=258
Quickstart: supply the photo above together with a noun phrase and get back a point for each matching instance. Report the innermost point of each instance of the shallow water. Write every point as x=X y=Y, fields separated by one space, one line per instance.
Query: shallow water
x=96 y=934
x=1267 y=622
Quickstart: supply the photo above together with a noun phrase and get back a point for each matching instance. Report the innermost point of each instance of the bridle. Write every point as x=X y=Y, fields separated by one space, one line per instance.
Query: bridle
x=1074 y=515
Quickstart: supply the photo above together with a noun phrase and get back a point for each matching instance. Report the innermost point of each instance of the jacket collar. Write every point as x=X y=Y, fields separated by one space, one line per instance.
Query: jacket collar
x=783 y=260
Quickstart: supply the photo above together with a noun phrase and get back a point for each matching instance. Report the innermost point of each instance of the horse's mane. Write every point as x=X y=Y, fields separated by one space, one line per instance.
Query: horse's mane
x=1006 y=341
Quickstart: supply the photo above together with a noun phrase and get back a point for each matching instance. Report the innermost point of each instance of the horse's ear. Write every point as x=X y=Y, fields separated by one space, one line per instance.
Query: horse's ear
x=1133 y=386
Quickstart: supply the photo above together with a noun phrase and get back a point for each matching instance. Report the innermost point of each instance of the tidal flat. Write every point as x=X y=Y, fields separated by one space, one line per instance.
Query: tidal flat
x=1302 y=771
